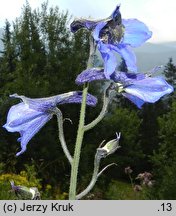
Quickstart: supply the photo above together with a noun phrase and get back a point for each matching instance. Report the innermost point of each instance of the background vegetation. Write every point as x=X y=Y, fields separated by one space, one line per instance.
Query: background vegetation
x=41 y=57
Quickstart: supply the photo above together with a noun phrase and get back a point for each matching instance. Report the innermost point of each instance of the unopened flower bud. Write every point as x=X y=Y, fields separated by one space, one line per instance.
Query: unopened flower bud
x=25 y=193
x=112 y=145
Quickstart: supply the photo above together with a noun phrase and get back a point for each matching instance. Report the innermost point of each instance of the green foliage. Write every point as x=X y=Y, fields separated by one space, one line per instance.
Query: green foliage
x=27 y=177
x=40 y=58
x=170 y=72
x=118 y=190
x=127 y=122
x=130 y=154
x=164 y=160
x=149 y=129
x=50 y=192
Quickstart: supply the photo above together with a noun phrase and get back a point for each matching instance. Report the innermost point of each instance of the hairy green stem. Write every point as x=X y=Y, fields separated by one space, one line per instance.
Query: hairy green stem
x=106 y=100
x=61 y=135
x=79 y=139
x=80 y=132
x=94 y=178
x=102 y=152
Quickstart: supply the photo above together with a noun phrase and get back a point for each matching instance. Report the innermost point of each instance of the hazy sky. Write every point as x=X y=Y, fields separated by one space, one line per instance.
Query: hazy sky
x=160 y=16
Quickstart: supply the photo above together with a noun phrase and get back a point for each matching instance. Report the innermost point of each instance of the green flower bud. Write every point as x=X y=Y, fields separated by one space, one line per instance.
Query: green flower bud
x=25 y=193
x=110 y=147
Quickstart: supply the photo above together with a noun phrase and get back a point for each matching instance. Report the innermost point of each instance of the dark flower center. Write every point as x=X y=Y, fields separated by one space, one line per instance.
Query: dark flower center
x=113 y=31
x=112 y=35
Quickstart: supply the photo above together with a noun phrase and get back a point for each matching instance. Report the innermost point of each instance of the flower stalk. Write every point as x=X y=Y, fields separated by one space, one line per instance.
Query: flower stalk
x=94 y=177
x=80 y=132
x=103 y=152
x=106 y=101
x=61 y=135
x=77 y=152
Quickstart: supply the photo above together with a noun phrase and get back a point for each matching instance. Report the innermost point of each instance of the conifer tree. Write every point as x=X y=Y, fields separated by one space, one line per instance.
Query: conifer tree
x=170 y=72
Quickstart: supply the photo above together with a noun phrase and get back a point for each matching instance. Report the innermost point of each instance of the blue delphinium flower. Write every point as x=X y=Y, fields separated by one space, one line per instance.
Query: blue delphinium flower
x=115 y=35
x=138 y=88
x=30 y=115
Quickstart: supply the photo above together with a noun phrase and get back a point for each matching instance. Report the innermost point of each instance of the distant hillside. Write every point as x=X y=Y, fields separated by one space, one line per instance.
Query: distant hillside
x=1 y=44
x=149 y=55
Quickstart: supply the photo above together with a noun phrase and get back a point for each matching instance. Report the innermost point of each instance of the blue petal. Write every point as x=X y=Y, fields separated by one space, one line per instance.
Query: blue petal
x=109 y=58
x=97 y=30
x=107 y=53
x=29 y=129
x=91 y=24
x=116 y=12
x=29 y=116
x=128 y=55
x=90 y=75
x=14 y=187
x=136 y=32
x=137 y=101
x=46 y=104
x=83 y=23
x=26 y=121
x=77 y=98
x=18 y=115
x=149 y=89
x=126 y=78
x=39 y=104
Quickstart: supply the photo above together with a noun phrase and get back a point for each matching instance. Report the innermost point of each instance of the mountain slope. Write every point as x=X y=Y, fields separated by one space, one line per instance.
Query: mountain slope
x=150 y=55
x=1 y=44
